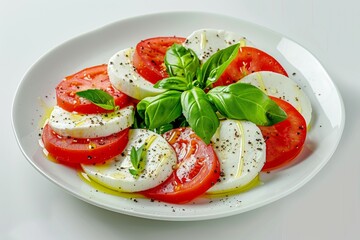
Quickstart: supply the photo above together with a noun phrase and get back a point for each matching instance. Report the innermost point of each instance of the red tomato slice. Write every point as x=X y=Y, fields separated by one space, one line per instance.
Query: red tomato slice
x=249 y=60
x=197 y=170
x=84 y=151
x=90 y=78
x=284 y=140
x=149 y=56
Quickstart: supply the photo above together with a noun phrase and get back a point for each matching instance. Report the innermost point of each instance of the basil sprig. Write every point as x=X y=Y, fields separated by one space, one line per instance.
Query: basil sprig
x=182 y=65
x=137 y=160
x=99 y=98
x=186 y=103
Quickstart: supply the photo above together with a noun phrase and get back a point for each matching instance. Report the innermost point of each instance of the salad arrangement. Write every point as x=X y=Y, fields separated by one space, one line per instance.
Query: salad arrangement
x=176 y=118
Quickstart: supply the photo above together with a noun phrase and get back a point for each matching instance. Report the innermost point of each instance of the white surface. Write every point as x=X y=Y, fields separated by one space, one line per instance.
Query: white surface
x=119 y=70
x=95 y=47
x=325 y=208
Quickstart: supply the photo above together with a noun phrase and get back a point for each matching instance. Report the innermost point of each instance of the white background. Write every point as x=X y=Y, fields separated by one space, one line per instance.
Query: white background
x=328 y=207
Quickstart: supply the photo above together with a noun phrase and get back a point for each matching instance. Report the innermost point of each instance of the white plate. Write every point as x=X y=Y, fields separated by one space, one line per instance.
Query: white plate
x=96 y=47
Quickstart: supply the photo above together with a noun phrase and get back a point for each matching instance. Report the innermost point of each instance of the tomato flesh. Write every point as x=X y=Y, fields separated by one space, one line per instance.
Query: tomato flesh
x=249 y=60
x=284 y=140
x=197 y=170
x=83 y=151
x=90 y=78
x=148 y=58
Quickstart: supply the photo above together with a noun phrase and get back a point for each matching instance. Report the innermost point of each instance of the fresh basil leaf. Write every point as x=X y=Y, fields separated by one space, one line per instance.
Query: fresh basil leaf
x=174 y=83
x=177 y=123
x=140 y=155
x=199 y=113
x=181 y=62
x=137 y=160
x=184 y=124
x=246 y=102
x=164 y=128
x=134 y=172
x=99 y=98
x=212 y=69
x=134 y=159
x=161 y=109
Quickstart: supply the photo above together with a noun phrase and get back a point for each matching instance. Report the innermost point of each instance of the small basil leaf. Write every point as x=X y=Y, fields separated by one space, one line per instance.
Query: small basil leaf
x=181 y=62
x=184 y=124
x=138 y=161
x=212 y=69
x=140 y=156
x=99 y=98
x=164 y=128
x=134 y=157
x=177 y=123
x=174 y=83
x=199 y=113
x=246 y=102
x=134 y=172
x=161 y=109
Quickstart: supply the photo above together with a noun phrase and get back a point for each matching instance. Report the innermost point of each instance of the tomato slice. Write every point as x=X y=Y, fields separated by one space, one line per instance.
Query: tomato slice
x=90 y=78
x=197 y=170
x=149 y=56
x=249 y=60
x=84 y=151
x=284 y=140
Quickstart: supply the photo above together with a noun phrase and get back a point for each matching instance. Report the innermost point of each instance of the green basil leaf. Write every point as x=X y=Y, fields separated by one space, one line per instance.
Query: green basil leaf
x=99 y=98
x=199 y=113
x=177 y=123
x=134 y=172
x=161 y=109
x=174 y=83
x=164 y=128
x=181 y=62
x=137 y=160
x=140 y=161
x=134 y=158
x=212 y=69
x=246 y=102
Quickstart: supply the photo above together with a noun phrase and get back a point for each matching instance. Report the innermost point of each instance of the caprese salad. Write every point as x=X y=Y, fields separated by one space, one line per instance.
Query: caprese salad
x=175 y=118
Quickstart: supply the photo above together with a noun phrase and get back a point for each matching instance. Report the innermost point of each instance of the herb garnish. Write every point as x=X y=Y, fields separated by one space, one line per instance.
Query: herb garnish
x=187 y=98
x=99 y=98
x=137 y=159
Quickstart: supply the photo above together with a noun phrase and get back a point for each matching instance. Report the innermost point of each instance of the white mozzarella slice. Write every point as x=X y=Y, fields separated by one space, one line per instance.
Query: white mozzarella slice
x=278 y=85
x=160 y=159
x=90 y=125
x=241 y=150
x=123 y=76
x=206 y=42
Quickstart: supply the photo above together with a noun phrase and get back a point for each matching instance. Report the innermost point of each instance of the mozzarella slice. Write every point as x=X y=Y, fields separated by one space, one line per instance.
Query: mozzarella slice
x=90 y=125
x=278 y=85
x=123 y=76
x=241 y=150
x=160 y=159
x=206 y=42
